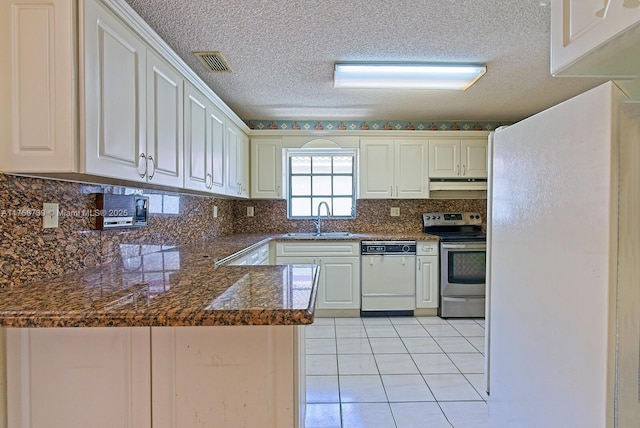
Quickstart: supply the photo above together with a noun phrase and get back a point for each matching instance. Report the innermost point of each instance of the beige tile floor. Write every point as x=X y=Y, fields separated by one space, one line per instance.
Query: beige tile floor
x=396 y=372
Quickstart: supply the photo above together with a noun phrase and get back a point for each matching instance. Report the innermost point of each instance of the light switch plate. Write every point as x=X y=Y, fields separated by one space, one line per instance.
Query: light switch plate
x=395 y=212
x=50 y=218
x=250 y=212
x=215 y=211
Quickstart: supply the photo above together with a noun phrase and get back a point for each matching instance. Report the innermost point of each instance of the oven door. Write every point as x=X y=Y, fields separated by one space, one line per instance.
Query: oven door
x=463 y=269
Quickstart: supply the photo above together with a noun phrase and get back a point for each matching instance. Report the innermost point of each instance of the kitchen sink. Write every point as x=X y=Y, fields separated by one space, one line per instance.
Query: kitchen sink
x=321 y=235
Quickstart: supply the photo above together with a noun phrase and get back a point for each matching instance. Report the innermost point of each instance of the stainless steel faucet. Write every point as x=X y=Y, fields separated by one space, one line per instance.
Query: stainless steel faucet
x=317 y=221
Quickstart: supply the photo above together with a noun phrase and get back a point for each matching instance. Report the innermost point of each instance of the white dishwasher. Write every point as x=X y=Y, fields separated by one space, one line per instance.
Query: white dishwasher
x=388 y=277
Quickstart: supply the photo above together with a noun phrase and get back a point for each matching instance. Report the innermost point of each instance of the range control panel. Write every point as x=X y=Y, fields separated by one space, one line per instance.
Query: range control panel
x=451 y=219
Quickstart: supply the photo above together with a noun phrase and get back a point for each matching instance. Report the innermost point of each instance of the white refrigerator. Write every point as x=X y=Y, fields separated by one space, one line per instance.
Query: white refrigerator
x=564 y=263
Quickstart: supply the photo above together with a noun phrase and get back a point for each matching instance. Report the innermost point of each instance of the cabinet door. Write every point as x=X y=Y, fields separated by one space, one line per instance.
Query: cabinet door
x=79 y=377
x=165 y=102
x=266 y=168
x=411 y=164
x=38 y=124
x=427 y=292
x=243 y=163
x=339 y=283
x=444 y=158
x=376 y=169
x=198 y=173
x=578 y=27
x=216 y=140
x=114 y=97
x=232 y=161
x=474 y=158
x=237 y=162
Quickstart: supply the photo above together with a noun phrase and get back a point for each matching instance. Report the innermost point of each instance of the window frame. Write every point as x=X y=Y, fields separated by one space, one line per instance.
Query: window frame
x=290 y=153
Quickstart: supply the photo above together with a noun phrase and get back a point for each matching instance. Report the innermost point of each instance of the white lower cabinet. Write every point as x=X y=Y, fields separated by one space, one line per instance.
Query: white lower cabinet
x=161 y=377
x=259 y=256
x=339 y=281
x=235 y=376
x=427 y=275
x=78 y=377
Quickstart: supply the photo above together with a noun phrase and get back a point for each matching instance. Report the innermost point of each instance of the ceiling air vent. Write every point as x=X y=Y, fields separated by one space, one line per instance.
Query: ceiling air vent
x=213 y=61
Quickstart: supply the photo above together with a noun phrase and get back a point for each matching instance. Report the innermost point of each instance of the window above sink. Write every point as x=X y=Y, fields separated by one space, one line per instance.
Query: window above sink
x=321 y=175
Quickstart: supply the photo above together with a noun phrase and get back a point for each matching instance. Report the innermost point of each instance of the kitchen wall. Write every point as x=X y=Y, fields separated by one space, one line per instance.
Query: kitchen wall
x=372 y=216
x=29 y=252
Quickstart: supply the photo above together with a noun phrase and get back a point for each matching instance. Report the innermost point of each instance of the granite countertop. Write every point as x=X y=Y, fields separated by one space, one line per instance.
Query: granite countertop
x=183 y=286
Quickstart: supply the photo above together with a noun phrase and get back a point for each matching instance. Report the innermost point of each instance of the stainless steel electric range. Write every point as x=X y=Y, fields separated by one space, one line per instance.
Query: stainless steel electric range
x=463 y=247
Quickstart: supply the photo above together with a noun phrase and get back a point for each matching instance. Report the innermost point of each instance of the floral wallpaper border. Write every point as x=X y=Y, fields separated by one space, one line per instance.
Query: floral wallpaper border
x=373 y=125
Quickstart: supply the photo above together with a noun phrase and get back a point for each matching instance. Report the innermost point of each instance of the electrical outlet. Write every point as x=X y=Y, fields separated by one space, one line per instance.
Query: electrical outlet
x=215 y=211
x=395 y=212
x=50 y=218
x=250 y=211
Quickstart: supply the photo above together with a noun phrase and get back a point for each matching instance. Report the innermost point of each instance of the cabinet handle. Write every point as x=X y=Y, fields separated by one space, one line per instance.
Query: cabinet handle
x=458 y=169
x=208 y=181
x=464 y=170
x=278 y=191
x=391 y=190
x=150 y=158
x=142 y=156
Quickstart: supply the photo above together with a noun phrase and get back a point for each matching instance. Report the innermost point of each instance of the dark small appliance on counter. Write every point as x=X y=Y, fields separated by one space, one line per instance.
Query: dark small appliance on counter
x=121 y=210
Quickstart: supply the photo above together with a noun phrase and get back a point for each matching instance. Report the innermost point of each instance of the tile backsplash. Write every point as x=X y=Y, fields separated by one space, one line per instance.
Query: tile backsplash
x=372 y=215
x=28 y=252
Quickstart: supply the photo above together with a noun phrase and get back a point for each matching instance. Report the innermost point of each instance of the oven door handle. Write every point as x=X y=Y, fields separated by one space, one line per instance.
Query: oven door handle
x=465 y=246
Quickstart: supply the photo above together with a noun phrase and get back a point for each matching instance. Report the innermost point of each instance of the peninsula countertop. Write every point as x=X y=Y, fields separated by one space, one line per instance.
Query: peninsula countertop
x=181 y=286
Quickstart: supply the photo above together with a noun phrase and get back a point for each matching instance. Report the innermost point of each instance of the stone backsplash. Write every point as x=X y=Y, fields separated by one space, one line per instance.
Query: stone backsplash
x=372 y=216
x=29 y=252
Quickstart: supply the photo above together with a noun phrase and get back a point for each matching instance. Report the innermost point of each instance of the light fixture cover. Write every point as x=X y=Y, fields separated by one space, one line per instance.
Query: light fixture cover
x=407 y=76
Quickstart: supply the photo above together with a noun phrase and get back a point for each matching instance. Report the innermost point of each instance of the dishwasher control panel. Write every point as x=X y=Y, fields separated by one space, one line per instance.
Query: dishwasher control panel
x=388 y=247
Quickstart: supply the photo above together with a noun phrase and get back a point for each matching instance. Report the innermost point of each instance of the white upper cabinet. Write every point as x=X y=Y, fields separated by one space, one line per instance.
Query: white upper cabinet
x=38 y=125
x=585 y=37
x=411 y=164
x=133 y=105
x=458 y=158
x=197 y=171
x=114 y=97
x=204 y=132
x=102 y=95
x=376 y=169
x=165 y=147
x=237 y=162
x=266 y=168
x=393 y=169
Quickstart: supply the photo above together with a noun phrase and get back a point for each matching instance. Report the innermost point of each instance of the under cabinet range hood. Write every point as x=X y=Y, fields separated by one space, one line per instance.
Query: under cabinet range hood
x=436 y=184
x=458 y=188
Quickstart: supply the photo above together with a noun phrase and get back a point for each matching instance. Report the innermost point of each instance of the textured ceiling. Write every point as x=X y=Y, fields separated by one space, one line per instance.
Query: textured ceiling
x=282 y=55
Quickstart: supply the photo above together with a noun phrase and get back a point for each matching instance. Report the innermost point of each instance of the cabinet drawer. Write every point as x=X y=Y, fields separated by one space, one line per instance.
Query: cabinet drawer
x=315 y=249
x=427 y=248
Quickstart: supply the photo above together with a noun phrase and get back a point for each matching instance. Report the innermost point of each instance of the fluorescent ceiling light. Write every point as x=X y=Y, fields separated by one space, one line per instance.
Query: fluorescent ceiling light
x=407 y=76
